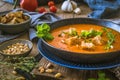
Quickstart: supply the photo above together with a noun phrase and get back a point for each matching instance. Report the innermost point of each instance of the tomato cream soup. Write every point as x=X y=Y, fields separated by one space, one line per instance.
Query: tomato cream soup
x=85 y=38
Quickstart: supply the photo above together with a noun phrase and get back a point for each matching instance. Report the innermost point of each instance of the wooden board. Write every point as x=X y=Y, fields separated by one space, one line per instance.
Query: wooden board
x=67 y=73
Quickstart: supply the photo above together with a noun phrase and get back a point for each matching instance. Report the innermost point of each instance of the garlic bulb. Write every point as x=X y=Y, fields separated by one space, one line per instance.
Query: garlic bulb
x=68 y=6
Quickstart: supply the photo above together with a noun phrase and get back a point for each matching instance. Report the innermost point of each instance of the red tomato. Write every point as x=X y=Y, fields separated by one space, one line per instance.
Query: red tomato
x=41 y=10
x=29 y=5
x=51 y=3
x=53 y=9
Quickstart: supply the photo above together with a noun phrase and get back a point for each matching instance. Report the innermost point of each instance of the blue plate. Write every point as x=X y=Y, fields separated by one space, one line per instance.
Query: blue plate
x=61 y=62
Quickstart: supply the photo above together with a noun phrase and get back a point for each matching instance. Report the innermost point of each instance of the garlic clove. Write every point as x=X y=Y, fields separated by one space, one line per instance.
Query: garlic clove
x=70 y=8
x=77 y=11
x=64 y=6
x=74 y=4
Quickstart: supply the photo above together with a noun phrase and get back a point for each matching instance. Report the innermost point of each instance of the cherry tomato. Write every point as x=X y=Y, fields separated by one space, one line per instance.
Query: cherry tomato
x=51 y=3
x=53 y=9
x=41 y=10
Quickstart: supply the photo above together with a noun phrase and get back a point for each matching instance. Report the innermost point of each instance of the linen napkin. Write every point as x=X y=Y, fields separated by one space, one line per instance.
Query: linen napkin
x=37 y=18
x=104 y=9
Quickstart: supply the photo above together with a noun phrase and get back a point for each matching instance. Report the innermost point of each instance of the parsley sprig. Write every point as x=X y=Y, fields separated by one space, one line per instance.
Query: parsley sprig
x=111 y=38
x=43 y=31
x=91 y=33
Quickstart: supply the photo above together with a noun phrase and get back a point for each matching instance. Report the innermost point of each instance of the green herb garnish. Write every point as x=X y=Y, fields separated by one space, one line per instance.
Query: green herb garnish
x=91 y=33
x=101 y=76
x=73 y=32
x=104 y=29
x=24 y=64
x=111 y=38
x=43 y=31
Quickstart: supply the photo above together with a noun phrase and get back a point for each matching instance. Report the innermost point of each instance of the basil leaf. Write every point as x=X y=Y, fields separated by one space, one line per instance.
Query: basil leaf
x=43 y=32
x=90 y=33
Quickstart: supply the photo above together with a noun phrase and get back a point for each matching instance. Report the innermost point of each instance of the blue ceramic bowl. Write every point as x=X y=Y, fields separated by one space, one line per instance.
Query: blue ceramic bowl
x=80 y=57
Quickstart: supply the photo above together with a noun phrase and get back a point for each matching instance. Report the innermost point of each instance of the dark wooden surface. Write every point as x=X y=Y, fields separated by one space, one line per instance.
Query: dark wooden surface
x=67 y=73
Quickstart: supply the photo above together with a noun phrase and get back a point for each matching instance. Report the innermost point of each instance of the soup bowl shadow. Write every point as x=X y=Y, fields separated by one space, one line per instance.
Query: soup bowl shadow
x=81 y=57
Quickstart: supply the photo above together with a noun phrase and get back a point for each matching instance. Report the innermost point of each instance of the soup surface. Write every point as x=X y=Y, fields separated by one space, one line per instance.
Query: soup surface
x=85 y=38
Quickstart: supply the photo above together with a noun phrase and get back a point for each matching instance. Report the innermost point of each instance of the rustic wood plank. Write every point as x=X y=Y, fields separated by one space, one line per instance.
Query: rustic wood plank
x=67 y=73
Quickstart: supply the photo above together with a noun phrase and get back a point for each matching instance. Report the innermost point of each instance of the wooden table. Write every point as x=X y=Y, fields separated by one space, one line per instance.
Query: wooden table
x=67 y=73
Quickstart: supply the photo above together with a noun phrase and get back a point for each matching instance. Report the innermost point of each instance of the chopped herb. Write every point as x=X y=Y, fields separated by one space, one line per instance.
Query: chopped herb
x=104 y=29
x=91 y=33
x=43 y=32
x=111 y=38
x=73 y=32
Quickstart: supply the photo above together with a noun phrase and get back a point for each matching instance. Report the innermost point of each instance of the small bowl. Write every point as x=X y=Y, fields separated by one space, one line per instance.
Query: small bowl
x=16 y=28
x=11 y=42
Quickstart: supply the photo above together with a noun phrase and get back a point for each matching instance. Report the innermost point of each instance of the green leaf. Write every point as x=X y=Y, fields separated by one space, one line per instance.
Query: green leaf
x=43 y=32
x=111 y=39
x=104 y=29
x=48 y=37
x=73 y=32
x=101 y=74
x=90 y=33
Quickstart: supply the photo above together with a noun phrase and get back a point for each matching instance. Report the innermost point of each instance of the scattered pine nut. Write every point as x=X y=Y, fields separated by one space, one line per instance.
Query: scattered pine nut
x=16 y=48
x=49 y=70
x=58 y=75
x=14 y=72
x=41 y=69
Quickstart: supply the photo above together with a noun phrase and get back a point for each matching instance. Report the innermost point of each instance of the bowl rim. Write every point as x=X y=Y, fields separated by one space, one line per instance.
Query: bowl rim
x=17 y=40
x=85 y=53
x=17 y=23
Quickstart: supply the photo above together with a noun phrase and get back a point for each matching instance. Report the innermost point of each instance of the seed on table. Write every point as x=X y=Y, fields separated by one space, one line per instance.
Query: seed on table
x=58 y=75
x=14 y=68
x=20 y=78
x=41 y=69
x=49 y=70
x=14 y=72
